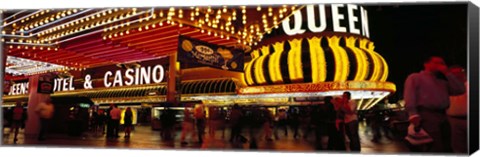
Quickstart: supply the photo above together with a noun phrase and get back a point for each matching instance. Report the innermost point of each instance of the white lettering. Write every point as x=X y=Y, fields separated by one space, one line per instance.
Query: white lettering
x=19 y=89
x=145 y=75
x=65 y=85
x=311 y=18
x=129 y=77
x=297 y=29
x=105 y=80
x=365 y=30
x=136 y=75
x=158 y=71
x=118 y=78
x=71 y=84
x=352 y=18
x=55 y=85
x=336 y=17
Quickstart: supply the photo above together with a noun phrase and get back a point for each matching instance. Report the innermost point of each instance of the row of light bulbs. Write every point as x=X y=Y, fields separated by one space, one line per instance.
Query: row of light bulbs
x=34 y=47
x=47 y=19
x=195 y=13
x=94 y=21
x=248 y=36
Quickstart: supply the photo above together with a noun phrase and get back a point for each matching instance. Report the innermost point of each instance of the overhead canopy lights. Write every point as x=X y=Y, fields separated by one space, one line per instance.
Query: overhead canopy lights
x=21 y=66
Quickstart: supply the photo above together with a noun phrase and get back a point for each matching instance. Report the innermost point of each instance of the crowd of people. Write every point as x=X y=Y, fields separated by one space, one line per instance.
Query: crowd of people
x=435 y=99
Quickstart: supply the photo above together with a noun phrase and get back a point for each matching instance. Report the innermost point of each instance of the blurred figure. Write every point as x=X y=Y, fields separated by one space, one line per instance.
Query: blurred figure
x=127 y=121
x=235 y=123
x=339 y=142
x=17 y=120
x=324 y=117
x=214 y=121
x=45 y=111
x=376 y=123
x=115 y=114
x=281 y=120
x=168 y=123
x=295 y=121
x=101 y=121
x=199 y=114
x=268 y=125
x=256 y=119
x=457 y=114
x=187 y=125
x=306 y=121
x=426 y=97
x=351 y=121
x=108 y=119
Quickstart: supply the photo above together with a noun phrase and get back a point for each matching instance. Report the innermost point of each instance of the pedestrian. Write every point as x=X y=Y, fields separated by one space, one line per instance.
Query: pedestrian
x=101 y=121
x=187 y=125
x=339 y=134
x=109 y=122
x=457 y=114
x=351 y=121
x=268 y=125
x=17 y=120
x=199 y=114
x=45 y=111
x=235 y=123
x=324 y=117
x=127 y=121
x=281 y=121
x=294 y=120
x=426 y=97
x=115 y=114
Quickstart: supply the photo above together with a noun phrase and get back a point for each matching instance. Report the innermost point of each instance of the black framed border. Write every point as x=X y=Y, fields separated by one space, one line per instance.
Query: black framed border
x=473 y=63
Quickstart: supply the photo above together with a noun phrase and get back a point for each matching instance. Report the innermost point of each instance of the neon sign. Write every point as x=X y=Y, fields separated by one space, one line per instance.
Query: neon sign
x=137 y=76
x=336 y=20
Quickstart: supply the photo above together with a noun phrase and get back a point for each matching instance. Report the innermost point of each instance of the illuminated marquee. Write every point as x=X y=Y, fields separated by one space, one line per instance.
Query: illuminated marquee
x=333 y=45
x=336 y=19
x=137 y=76
x=19 y=89
x=318 y=87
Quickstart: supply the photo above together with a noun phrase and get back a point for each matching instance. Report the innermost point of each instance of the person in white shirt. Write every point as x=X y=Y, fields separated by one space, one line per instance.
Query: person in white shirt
x=457 y=114
x=351 y=121
x=115 y=117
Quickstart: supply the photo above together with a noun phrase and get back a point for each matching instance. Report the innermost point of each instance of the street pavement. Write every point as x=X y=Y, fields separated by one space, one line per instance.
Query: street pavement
x=143 y=137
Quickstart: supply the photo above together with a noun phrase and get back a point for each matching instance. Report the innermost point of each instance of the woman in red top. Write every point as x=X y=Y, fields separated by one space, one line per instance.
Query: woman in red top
x=17 y=120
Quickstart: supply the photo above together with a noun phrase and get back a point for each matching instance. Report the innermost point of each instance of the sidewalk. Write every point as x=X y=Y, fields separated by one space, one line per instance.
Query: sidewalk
x=145 y=138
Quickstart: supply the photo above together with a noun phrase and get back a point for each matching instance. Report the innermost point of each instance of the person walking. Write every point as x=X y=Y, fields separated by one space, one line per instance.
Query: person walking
x=45 y=111
x=101 y=122
x=187 y=125
x=199 y=114
x=108 y=119
x=115 y=114
x=235 y=123
x=426 y=97
x=457 y=114
x=339 y=134
x=128 y=121
x=324 y=118
x=17 y=120
x=351 y=121
x=281 y=123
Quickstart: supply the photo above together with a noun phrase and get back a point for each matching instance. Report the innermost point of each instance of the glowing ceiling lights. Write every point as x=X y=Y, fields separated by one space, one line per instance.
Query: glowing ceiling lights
x=21 y=66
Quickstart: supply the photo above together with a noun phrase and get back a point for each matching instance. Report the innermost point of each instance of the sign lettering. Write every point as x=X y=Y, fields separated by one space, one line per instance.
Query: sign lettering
x=338 y=18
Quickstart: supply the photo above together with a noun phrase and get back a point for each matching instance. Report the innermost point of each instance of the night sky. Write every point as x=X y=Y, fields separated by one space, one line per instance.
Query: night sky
x=406 y=34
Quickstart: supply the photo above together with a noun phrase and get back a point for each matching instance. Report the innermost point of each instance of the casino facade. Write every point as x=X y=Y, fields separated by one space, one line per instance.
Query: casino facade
x=152 y=58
